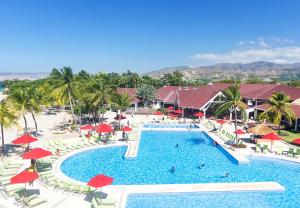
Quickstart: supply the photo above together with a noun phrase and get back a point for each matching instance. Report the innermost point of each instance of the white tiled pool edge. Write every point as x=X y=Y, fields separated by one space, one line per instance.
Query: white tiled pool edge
x=188 y=188
x=238 y=157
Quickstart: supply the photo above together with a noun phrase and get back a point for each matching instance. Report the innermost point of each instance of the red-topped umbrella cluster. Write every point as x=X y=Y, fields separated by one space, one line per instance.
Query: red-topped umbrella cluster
x=87 y=127
x=24 y=139
x=24 y=177
x=100 y=181
x=240 y=131
x=126 y=128
x=104 y=128
x=220 y=121
x=178 y=111
x=170 y=108
x=36 y=153
x=199 y=114
x=158 y=113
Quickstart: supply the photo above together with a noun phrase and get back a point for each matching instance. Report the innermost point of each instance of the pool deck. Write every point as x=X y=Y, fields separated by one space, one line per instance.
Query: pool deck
x=238 y=157
x=186 y=188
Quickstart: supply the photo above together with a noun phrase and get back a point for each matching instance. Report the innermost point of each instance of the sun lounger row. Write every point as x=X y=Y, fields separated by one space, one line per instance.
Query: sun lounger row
x=31 y=200
x=98 y=202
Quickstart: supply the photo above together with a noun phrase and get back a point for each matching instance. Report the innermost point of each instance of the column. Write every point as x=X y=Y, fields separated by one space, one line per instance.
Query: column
x=296 y=124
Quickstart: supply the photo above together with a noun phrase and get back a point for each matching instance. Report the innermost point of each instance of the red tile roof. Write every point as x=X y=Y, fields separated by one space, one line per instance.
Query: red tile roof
x=197 y=97
x=167 y=94
x=131 y=92
x=265 y=91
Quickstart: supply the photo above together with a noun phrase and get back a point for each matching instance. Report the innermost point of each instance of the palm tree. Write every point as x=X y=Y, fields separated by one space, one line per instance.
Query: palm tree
x=98 y=93
x=63 y=80
x=7 y=118
x=279 y=106
x=36 y=101
x=20 y=98
x=120 y=102
x=233 y=100
x=145 y=93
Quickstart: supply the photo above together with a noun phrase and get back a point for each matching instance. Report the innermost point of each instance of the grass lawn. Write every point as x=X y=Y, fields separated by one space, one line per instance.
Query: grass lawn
x=291 y=135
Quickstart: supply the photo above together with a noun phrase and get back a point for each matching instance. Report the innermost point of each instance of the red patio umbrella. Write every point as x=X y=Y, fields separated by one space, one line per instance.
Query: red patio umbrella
x=36 y=153
x=24 y=177
x=240 y=131
x=87 y=127
x=272 y=137
x=120 y=117
x=220 y=121
x=24 y=139
x=199 y=114
x=100 y=181
x=296 y=141
x=170 y=108
x=126 y=128
x=178 y=111
x=158 y=113
x=104 y=128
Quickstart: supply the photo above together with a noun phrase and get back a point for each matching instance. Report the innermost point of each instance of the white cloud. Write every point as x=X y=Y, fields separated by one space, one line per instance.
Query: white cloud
x=276 y=55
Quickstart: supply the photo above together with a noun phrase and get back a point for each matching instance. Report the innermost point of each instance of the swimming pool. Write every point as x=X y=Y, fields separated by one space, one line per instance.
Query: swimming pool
x=158 y=153
x=210 y=199
x=158 y=125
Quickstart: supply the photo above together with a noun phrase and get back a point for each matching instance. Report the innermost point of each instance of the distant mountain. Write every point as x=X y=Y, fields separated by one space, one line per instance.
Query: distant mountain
x=227 y=70
x=22 y=76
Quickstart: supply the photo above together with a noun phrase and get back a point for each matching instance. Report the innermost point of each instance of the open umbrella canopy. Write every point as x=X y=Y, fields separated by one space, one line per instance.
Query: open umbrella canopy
x=260 y=129
x=100 y=181
x=24 y=139
x=158 y=113
x=126 y=128
x=120 y=117
x=87 y=127
x=24 y=177
x=272 y=136
x=104 y=128
x=199 y=114
x=296 y=141
x=170 y=108
x=220 y=121
x=178 y=111
x=240 y=131
x=36 y=153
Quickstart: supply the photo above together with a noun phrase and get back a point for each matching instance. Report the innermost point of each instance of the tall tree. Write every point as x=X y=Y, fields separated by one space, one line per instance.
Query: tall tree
x=20 y=98
x=8 y=117
x=145 y=93
x=280 y=107
x=120 y=102
x=64 y=86
x=233 y=100
x=98 y=93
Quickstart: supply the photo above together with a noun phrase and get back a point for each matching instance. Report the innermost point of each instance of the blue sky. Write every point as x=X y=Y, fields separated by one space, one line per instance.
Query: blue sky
x=145 y=35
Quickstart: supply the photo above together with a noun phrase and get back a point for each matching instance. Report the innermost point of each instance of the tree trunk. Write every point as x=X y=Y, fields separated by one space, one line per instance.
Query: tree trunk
x=2 y=135
x=279 y=129
x=235 y=125
x=35 y=123
x=25 y=121
x=71 y=106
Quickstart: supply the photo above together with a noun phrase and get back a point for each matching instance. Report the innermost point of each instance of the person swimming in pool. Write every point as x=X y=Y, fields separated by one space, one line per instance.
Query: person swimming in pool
x=201 y=166
x=172 y=169
x=226 y=175
x=177 y=145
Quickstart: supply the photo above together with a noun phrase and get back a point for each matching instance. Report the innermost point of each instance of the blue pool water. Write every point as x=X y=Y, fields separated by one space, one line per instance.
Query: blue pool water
x=157 y=154
x=157 y=125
